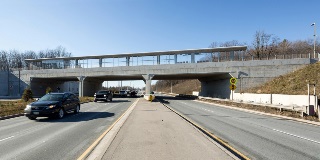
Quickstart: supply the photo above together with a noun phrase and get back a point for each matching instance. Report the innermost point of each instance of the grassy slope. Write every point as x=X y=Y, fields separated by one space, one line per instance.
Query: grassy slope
x=186 y=87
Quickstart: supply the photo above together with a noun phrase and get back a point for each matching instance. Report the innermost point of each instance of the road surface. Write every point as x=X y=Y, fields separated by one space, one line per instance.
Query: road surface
x=67 y=138
x=257 y=136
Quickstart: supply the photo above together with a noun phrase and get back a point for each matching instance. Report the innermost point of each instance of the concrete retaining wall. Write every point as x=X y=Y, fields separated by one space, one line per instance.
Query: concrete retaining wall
x=3 y=83
x=276 y=99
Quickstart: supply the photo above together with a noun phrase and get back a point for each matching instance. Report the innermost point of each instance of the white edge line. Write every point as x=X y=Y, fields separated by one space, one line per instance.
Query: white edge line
x=6 y=138
x=296 y=136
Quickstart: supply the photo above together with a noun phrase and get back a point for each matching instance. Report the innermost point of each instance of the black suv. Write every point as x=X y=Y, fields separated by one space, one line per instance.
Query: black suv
x=53 y=104
x=103 y=95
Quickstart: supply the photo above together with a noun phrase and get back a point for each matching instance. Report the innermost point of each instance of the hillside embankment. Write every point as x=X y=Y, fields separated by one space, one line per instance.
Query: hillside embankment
x=294 y=83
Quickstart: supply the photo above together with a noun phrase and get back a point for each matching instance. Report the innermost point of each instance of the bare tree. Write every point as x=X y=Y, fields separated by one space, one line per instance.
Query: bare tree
x=53 y=53
x=273 y=47
x=14 y=59
x=261 y=43
x=284 y=47
x=302 y=47
x=231 y=43
x=4 y=63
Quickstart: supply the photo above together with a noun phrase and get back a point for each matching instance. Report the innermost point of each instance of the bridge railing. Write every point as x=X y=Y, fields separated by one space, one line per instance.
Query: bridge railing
x=239 y=57
x=213 y=57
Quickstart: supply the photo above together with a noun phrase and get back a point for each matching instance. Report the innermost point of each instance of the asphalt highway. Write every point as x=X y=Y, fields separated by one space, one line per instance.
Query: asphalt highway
x=257 y=136
x=67 y=138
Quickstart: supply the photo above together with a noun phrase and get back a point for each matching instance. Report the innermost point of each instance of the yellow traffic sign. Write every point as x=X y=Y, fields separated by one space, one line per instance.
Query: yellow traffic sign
x=233 y=80
x=233 y=87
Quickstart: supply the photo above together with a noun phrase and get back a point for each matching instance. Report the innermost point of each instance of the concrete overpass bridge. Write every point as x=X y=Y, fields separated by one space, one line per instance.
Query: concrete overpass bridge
x=213 y=67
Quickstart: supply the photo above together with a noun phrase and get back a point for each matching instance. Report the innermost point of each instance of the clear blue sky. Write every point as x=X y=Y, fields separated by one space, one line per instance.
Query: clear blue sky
x=97 y=27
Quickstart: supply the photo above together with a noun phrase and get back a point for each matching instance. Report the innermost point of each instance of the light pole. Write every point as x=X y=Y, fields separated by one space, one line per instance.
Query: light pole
x=314 y=39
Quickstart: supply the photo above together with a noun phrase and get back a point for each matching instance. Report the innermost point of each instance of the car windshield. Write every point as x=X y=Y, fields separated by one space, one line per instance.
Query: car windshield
x=51 y=97
x=103 y=92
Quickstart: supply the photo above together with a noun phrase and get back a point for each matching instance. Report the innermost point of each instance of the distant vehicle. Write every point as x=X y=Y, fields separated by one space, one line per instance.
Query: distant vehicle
x=140 y=93
x=53 y=105
x=103 y=95
x=133 y=94
x=123 y=93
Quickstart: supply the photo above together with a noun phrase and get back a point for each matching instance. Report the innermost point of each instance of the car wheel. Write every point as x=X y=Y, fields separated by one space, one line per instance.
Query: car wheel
x=32 y=118
x=77 y=109
x=61 y=113
x=95 y=100
x=111 y=100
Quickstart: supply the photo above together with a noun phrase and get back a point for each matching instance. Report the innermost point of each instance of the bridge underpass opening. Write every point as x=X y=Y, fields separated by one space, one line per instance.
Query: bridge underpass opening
x=212 y=84
x=125 y=84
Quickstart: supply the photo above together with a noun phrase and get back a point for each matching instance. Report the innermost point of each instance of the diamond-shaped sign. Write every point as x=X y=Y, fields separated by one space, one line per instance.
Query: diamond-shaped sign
x=233 y=87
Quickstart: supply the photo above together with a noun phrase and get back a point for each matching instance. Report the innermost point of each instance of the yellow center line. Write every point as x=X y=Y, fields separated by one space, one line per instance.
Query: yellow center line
x=96 y=142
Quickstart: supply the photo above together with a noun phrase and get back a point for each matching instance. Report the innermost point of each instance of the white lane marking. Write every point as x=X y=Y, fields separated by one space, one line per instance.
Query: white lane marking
x=296 y=136
x=6 y=138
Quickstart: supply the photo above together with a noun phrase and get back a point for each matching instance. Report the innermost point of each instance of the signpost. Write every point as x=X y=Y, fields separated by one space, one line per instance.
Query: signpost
x=233 y=86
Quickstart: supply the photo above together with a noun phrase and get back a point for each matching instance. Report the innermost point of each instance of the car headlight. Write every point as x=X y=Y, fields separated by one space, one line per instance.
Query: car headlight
x=50 y=107
x=28 y=107
x=94 y=95
x=105 y=95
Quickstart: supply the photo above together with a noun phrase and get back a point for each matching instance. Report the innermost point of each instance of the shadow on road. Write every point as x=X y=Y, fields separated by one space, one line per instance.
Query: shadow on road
x=113 y=101
x=80 y=117
x=165 y=99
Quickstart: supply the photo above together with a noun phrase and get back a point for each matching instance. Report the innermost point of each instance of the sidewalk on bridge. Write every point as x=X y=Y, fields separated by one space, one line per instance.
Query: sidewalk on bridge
x=152 y=131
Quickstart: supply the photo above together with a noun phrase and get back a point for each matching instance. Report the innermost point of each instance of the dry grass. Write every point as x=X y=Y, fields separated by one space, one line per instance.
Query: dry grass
x=186 y=87
x=12 y=107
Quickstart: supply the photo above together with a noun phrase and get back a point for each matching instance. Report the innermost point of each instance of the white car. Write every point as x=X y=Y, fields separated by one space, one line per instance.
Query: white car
x=140 y=93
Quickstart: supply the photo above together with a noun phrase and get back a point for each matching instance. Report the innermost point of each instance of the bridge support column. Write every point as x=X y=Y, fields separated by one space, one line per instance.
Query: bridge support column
x=193 y=57
x=147 y=79
x=100 y=62
x=81 y=84
x=231 y=55
x=175 y=59
x=158 y=59
x=88 y=86
x=127 y=61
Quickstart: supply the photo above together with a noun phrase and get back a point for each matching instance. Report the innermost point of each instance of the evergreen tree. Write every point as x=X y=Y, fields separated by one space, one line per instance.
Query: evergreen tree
x=27 y=94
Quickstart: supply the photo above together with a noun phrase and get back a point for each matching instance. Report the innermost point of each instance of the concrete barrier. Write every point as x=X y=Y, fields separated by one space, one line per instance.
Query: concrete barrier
x=149 y=97
x=282 y=101
x=276 y=99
